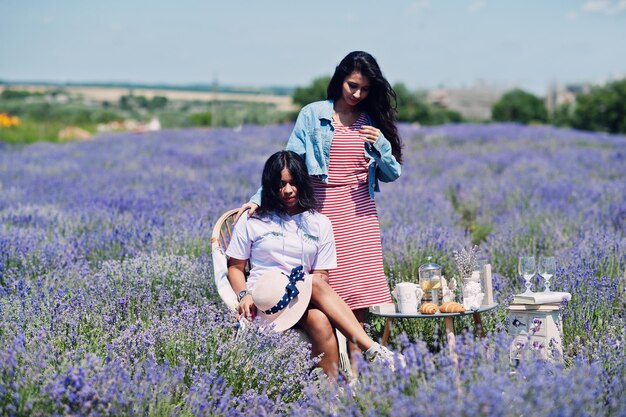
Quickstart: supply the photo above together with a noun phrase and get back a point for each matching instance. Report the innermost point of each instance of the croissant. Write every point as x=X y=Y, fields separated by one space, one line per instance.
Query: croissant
x=451 y=307
x=428 y=308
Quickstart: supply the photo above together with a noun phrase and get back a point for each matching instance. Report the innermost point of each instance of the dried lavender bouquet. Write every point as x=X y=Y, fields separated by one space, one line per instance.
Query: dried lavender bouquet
x=466 y=261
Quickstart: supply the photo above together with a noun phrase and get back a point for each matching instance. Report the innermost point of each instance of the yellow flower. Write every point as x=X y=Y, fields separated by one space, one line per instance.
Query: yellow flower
x=9 y=121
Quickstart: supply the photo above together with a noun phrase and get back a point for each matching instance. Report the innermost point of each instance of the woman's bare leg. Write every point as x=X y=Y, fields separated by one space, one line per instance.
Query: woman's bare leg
x=353 y=350
x=323 y=341
x=339 y=314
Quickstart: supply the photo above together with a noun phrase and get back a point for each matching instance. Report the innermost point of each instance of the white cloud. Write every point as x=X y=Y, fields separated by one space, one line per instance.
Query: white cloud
x=595 y=6
x=417 y=6
x=606 y=7
x=476 y=5
x=571 y=15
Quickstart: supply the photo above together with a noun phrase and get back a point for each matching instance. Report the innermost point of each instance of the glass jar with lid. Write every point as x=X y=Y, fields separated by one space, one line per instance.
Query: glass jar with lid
x=430 y=281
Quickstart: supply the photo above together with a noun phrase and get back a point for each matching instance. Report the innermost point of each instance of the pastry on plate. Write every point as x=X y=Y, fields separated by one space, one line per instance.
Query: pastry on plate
x=428 y=308
x=451 y=307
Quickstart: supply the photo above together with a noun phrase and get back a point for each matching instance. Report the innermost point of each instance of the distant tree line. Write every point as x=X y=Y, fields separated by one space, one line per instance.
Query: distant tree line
x=60 y=106
x=602 y=109
x=42 y=114
x=130 y=101
x=519 y=106
x=47 y=106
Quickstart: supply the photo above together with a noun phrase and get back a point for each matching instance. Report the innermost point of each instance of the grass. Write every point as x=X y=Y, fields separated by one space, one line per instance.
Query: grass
x=31 y=131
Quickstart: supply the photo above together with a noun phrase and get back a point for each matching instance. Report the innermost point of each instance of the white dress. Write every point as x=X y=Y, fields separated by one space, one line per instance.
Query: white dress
x=283 y=242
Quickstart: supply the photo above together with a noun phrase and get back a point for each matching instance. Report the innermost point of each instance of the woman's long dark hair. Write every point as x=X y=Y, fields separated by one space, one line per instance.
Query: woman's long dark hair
x=378 y=103
x=270 y=199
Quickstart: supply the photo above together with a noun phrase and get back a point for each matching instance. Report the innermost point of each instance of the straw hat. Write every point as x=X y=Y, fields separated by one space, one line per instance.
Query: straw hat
x=275 y=299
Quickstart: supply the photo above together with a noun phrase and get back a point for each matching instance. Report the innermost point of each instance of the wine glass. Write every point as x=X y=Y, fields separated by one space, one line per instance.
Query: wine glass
x=526 y=268
x=547 y=268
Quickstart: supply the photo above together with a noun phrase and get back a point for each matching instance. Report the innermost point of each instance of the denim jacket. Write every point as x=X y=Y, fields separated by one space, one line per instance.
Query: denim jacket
x=312 y=136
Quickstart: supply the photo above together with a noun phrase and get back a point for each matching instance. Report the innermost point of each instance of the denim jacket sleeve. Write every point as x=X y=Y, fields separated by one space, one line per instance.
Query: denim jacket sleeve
x=256 y=198
x=387 y=167
x=296 y=142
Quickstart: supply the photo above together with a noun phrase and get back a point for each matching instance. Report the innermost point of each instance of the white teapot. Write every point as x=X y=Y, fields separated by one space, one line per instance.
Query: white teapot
x=408 y=297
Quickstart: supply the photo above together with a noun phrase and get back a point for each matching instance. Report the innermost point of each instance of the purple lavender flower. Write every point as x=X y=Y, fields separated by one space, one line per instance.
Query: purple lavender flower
x=107 y=305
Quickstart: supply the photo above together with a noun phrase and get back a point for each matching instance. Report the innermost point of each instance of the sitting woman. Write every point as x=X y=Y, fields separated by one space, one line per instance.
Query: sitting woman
x=291 y=248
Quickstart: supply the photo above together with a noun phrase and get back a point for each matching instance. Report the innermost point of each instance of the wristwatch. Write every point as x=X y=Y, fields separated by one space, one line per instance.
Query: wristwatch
x=241 y=295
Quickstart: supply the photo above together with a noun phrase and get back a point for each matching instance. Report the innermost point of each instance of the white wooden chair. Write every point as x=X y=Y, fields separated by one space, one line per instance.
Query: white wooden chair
x=222 y=233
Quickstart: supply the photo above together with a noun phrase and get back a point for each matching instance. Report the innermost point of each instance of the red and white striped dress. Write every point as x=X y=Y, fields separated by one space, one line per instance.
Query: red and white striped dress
x=359 y=277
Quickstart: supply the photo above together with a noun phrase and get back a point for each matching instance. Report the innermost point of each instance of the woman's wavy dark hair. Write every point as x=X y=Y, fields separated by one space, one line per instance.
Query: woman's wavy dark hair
x=270 y=199
x=378 y=103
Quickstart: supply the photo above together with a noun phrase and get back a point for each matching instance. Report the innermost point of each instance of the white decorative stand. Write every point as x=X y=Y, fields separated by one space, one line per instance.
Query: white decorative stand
x=487 y=285
x=536 y=328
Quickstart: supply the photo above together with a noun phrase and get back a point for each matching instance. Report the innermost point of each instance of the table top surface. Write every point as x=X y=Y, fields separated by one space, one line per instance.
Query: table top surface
x=418 y=315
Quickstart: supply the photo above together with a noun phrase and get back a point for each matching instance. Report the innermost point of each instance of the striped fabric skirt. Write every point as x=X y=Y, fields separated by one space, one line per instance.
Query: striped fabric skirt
x=359 y=277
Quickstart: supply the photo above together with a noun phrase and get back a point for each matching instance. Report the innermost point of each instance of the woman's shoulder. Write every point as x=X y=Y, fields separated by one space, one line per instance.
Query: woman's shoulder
x=317 y=217
x=265 y=216
x=318 y=107
x=257 y=220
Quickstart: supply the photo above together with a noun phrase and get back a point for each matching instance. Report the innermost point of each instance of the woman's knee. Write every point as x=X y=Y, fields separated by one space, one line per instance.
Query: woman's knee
x=316 y=323
x=320 y=286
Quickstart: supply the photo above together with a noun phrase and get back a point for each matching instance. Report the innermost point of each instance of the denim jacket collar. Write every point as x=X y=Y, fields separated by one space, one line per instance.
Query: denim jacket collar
x=327 y=109
x=326 y=112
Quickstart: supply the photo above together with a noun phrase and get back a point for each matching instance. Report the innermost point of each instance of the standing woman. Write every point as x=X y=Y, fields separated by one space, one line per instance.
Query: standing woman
x=350 y=142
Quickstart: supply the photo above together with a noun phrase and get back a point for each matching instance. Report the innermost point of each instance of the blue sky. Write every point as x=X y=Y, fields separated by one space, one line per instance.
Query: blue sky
x=422 y=43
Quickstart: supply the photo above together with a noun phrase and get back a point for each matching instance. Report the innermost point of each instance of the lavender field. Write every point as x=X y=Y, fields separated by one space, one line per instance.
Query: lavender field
x=108 y=307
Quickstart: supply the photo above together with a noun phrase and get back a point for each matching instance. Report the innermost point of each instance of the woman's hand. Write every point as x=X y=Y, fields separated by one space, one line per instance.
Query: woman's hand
x=251 y=207
x=246 y=306
x=237 y=279
x=369 y=134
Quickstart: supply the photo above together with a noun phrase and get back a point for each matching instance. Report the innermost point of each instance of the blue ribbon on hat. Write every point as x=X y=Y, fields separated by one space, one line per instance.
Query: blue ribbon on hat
x=291 y=291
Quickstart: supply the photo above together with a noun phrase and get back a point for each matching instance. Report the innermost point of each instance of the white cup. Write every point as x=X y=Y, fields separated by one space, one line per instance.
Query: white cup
x=408 y=296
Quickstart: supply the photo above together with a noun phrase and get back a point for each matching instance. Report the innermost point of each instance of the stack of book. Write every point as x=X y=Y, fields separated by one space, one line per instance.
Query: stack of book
x=549 y=297
x=383 y=308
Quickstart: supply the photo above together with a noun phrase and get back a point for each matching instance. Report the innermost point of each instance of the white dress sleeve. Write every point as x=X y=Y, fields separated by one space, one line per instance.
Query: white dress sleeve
x=240 y=243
